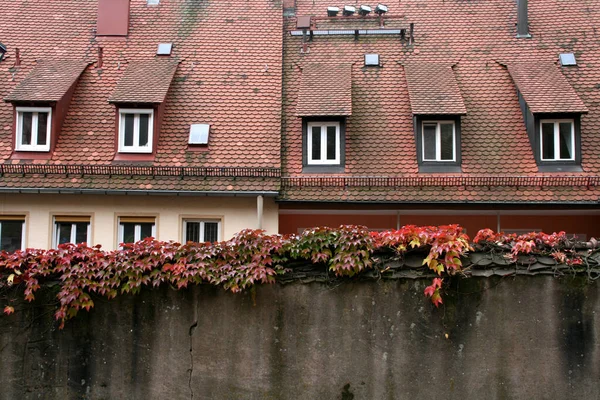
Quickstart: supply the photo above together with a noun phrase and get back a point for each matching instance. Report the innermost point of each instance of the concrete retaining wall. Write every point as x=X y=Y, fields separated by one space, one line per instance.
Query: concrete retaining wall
x=511 y=338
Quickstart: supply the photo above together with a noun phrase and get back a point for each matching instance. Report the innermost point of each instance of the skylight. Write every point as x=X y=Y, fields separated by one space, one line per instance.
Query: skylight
x=199 y=134
x=164 y=49
x=567 y=59
x=372 y=60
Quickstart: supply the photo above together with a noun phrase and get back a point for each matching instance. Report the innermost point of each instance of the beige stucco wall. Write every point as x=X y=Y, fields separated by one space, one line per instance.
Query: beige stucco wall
x=236 y=213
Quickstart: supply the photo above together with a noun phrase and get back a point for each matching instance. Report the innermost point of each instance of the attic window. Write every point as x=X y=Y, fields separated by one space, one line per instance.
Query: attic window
x=164 y=49
x=372 y=60
x=199 y=134
x=567 y=59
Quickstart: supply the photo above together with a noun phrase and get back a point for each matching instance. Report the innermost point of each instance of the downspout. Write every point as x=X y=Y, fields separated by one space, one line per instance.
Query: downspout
x=259 y=211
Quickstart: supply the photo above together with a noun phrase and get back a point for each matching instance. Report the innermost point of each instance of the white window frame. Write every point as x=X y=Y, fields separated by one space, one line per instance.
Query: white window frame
x=34 y=126
x=556 y=123
x=136 y=130
x=438 y=141
x=137 y=230
x=309 y=145
x=202 y=221
x=22 y=232
x=73 y=233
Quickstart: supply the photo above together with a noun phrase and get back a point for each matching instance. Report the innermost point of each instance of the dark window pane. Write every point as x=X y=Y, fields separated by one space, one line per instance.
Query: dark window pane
x=42 y=128
x=192 y=231
x=128 y=130
x=565 y=139
x=447 y=142
x=26 y=128
x=211 y=231
x=128 y=233
x=316 y=143
x=429 y=141
x=331 y=142
x=146 y=230
x=11 y=235
x=64 y=232
x=81 y=232
x=144 y=121
x=548 y=141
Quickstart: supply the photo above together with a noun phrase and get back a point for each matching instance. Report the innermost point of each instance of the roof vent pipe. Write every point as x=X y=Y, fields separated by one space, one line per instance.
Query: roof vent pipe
x=522 y=20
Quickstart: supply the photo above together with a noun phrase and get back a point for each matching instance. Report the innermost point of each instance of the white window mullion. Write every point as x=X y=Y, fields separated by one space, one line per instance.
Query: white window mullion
x=201 y=235
x=34 y=129
x=324 y=144
x=438 y=142
x=23 y=235
x=338 y=145
x=73 y=233
x=88 y=233
x=136 y=130
x=137 y=232
x=556 y=141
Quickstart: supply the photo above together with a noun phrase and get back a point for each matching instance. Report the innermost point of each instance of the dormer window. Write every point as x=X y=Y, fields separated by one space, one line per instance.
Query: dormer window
x=437 y=106
x=552 y=115
x=135 y=130
x=40 y=101
x=34 y=125
x=439 y=141
x=323 y=143
x=557 y=140
x=139 y=99
x=324 y=104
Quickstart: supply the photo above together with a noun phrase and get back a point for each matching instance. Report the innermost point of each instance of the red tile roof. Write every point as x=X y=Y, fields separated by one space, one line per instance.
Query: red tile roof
x=432 y=89
x=145 y=81
x=325 y=90
x=544 y=88
x=48 y=81
x=475 y=38
x=225 y=78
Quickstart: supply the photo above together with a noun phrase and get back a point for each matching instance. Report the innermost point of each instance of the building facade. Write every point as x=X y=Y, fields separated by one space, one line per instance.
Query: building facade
x=192 y=120
x=435 y=112
x=126 y=119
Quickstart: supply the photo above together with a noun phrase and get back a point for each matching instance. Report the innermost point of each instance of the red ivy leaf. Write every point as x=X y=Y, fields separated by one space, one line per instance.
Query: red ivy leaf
x=9 y=310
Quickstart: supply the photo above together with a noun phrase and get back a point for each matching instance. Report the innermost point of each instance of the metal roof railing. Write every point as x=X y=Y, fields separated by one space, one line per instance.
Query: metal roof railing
x=133 y=170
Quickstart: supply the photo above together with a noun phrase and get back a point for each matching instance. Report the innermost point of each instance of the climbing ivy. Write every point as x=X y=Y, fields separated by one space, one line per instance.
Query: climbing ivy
x=251 y=257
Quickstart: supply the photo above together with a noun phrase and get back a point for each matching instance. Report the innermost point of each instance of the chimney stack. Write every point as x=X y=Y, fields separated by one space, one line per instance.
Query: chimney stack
x=522 y=20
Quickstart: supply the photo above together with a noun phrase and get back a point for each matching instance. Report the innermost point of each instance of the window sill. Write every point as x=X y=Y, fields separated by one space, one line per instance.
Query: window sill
x=134 y=157
x=560 y=168
x=197 y=148
x=323 y=169
x=430 y=168
x=31 y=155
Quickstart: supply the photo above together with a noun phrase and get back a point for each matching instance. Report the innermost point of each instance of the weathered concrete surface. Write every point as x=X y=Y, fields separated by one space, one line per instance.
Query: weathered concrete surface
x=512 y=338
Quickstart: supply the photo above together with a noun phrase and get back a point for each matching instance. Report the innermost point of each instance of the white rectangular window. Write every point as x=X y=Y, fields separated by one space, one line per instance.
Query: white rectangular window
x=323 y=143
x=71 y=229
x=195 y=230
x=557 y=140
x=12 y=233
x=34 y=125
x=439 y=141
x=134 y=229
x=135 y=130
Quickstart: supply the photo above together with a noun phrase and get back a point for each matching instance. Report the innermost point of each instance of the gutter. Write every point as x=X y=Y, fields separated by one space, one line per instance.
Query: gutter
x=178 y=193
